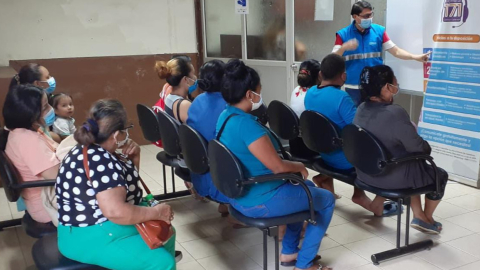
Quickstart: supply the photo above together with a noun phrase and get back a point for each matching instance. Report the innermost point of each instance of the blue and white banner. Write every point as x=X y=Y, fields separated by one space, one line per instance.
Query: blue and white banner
x=450 y=118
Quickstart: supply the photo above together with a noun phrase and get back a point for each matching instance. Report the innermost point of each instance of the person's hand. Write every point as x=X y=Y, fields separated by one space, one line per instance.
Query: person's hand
x=131 y=149
x=351 y=45
x=164 y=212
x=422 y=57
x=304 y=173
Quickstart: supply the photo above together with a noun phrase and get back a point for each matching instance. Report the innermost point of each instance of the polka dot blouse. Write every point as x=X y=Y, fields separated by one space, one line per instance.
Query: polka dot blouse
x=76 y=195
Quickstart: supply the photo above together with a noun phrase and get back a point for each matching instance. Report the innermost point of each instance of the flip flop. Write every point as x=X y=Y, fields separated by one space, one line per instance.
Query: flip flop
x=390 y=209
x=294 y=262
x=424 y=227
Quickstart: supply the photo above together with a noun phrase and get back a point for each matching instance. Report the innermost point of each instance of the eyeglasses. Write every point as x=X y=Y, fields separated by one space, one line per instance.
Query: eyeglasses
x=127 y=128
x=366 y=16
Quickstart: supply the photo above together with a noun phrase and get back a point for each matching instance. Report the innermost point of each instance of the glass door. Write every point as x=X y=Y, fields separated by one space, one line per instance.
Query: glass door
x=274 y=38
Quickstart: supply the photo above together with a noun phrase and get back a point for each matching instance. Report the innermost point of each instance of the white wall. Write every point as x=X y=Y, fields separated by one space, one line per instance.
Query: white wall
x=44 y=29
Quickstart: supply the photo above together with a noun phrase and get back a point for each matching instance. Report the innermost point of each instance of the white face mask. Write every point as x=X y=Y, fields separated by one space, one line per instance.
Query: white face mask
x=257 y=104
x=123 y=142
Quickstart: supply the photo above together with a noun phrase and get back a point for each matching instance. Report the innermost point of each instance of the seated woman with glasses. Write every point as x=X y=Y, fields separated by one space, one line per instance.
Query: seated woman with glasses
x=256 y=149
x=378 y=86
x=97 y=214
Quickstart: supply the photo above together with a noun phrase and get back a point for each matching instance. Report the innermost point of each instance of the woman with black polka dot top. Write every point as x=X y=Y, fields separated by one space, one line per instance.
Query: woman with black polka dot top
x=97 y=216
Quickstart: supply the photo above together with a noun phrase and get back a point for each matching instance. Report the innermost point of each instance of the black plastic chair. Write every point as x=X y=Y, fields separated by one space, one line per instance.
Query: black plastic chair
x=285 y=123
x=228 y=177
x=262 y=114
x=13 y=186
x=151 y=124
x=321 y=135
x=46 y=256
x=194 y=148
x=44 y=249
x=367 y=154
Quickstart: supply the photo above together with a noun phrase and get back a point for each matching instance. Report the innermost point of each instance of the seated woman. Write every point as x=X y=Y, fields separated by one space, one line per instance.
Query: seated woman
x=202 y=116
x=38 y=76
x=97 y=216
x=329 y=100
x=378 y=86
x=256 y=150
x=180 y=75
x=31 y=151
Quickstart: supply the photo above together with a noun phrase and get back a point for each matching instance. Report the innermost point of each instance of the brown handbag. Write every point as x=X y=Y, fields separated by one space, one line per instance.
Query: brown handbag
x=155 y=233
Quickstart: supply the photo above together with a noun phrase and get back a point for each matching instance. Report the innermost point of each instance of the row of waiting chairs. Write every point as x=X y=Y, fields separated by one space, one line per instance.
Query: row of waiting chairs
x=319 y=134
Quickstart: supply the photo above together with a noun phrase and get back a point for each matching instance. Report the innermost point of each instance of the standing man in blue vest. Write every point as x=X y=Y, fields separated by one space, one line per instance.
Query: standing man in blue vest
x=362 y=44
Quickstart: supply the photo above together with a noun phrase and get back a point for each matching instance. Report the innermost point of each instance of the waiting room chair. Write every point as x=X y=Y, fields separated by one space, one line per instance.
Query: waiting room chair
x=321 y=136
x=13 y=185
x=228 y=177
x=262 y=114
x=45 y=251
x=151 y=129
x=367 y=154
x=285 y=123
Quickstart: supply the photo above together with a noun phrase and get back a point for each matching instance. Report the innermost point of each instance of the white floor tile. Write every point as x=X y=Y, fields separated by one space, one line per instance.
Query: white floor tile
x=407 y=262
x=194 y=231
x=353 y=213
x=186 y=257
x=207 y=247
x=193 y=265
x=469 y=244
x=472 y=266
x=234 y=262
x=447 y=210
x=348 y=233
x=366 y=248
x=11 y=256
x=378 y=225
x=469 y=221
x=468 y=202
x=445 y=256
x=342 y=258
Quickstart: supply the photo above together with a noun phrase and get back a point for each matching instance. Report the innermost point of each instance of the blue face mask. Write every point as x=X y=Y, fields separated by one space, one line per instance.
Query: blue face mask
x=193 y=87
x=51 y=85
x=49 y=117
x=366 y=23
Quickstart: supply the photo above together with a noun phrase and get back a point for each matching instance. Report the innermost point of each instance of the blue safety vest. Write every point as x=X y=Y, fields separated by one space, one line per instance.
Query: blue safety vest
x=368 y=53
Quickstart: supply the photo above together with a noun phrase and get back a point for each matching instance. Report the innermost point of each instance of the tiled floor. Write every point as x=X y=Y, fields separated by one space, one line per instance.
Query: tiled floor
x=208 y=242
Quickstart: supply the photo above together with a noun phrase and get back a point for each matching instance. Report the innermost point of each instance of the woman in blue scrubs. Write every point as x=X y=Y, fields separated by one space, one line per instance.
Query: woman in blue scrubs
x=255 y=148
x=202 y=116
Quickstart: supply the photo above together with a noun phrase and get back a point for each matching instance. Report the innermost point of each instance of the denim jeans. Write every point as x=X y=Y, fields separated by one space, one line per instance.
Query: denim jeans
x=291 y=199
x=355 y=95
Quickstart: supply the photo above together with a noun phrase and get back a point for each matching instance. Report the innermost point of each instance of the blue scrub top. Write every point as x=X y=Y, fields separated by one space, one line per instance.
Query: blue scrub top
x=339 y=108
x=202 y=116
x=240 y=131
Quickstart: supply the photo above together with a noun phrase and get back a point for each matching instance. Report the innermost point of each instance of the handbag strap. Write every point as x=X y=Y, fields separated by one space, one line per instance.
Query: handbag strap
x=224 y=124
x=87 y=169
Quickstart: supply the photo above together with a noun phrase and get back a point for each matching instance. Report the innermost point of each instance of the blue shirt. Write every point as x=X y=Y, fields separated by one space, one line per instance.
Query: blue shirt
x=368 y=52
x=338 y=107
x=240 y=131
x=202 y=116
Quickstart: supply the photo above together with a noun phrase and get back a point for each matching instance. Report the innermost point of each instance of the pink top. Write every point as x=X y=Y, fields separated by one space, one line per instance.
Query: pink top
x=32 y=153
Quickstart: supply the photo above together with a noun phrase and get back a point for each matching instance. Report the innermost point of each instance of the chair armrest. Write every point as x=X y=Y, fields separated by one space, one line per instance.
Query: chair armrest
x=34 y=184
x=294 y=178
x=425 y=157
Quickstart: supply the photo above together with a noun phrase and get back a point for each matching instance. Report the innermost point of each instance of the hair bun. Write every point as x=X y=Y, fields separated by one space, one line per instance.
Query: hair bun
x=204 y=84
x=162 y=69
x=236 y=69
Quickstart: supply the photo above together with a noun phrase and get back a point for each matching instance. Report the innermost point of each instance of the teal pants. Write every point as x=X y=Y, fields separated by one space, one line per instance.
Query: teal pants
x=114 y=246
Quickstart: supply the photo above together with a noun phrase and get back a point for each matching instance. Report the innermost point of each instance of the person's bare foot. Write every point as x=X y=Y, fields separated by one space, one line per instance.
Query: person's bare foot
x=325 y=182
x=362 y=199
x=288 y=258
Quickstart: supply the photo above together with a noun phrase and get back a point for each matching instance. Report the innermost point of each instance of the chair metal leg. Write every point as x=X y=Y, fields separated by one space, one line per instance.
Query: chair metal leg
x=273 y=232
x=407 y=248
x=173 y=179
x=407 y=227
x=265 y=249
x=10 y=223
x=164 y=179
